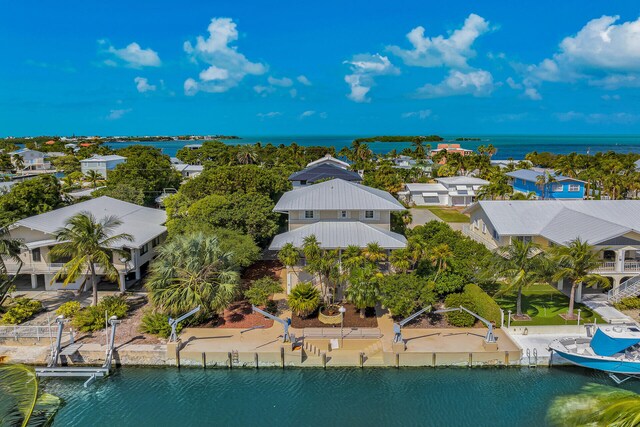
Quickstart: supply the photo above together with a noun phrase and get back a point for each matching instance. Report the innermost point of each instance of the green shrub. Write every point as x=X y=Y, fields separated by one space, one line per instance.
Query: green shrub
x=69 y=309
x=630 y=303
x=22 y=309
x=304 y=299
x=485 y=305
x=157 y=324
x=93 y=318
x=448 y=283
x=404 y=294
x=261 y=290
x=460 y=319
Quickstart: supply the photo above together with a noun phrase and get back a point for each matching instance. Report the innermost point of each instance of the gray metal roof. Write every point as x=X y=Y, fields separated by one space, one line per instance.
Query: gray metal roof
x=324 y=171
x=98 y=158
x=426 y=187
x=563 y=220
x=337 y=194
x=142 y=223
x=462 y=180
x=340 y=234
x=328 y=158
x=532 y=175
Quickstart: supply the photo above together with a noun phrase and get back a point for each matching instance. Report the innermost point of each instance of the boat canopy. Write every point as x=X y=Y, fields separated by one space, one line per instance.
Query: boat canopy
x=604 y=344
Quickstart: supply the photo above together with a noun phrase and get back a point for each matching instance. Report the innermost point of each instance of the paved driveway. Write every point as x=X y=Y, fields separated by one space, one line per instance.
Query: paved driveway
x=422 y=216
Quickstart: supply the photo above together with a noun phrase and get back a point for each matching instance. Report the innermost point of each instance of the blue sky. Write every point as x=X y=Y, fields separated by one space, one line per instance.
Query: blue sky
x=332 y=67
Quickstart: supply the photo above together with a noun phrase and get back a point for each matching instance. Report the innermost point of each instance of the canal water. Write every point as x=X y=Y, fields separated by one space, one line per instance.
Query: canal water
x=314 y=397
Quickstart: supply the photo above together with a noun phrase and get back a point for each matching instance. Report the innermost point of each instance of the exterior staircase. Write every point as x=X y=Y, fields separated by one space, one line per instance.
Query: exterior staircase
x=311 y=349
x=629 y=288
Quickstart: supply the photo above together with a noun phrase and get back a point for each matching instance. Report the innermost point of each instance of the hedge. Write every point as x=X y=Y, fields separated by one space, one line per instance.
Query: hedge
x=460 y=319
x=485 y=306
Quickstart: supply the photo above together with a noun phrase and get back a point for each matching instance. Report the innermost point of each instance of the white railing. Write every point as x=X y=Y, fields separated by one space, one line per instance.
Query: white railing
x=629 y=288
x=607 y=266
x=44 y=268
x=36 y=331
x=632 y=266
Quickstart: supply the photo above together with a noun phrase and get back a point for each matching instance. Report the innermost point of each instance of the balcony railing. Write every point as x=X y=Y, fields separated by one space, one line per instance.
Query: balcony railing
x=632 y=265
x=614 y=267
x=44 y=268
x=607 y=266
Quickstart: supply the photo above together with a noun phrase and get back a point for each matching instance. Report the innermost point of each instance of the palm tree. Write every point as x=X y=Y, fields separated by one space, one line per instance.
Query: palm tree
x=543 y=181
x=522 y=196
x=407 y=217
x=18 y=162
x=311 y=248
x=576 y=262
x=440 y=255
x=519 y=266
x=352 y=257
x=9 y=248
x=363 y=290
x=374 y=253
x=247 y=154
x=304 y=299
x=93 y=176
x=90 y=244
x=418 y=151
x=289 y=255
x=416 y=247
x=400 y=260
x=597 y=405
x=193 y=270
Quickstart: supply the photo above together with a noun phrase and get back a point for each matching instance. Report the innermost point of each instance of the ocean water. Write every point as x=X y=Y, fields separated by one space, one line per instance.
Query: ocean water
x=509 y=146
x=314 y=397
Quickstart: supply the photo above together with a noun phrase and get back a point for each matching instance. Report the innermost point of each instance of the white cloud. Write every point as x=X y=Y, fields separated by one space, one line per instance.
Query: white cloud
x=132 y=56
x=142 y=85
x=452 y=51
x=307 y=114
x=512 y=83
x=476 y=83
x=263 y=90
x=227 y=66
x=269 y=115
x=293 y=92
x=364 y=67
x=311 y=113
x=598 y=118
x=603 y=53
x=283 y=82
x=532 y=93
x=304 y=80
x=608 y=97
x=117 y=114
x=421 y=114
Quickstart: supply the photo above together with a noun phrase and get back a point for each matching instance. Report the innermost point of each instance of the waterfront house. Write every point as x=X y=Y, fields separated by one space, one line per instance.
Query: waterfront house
x=637 y=163
x=447 y=191
x=38 y=232
x=329 y=159
x=32 y=160
x=322 y=172
x=557 y=186
x=185 y=169
x=450 y=148
x=338 y=213
x=101 y=164
x=612 y=226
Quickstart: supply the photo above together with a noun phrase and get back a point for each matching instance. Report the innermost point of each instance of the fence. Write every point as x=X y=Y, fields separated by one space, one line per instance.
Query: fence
x=17 y=332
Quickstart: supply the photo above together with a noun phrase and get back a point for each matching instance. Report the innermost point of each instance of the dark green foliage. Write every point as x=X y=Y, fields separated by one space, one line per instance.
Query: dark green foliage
x=122 y=191
x=30 y=197
x=449 y=282
x=22 y=309
x=304 y=299
x=93 y=318
x=157 y=324
x=261 y=290
x=631 y=303
x=460 y=318
x=69 y=309
x=485 y=305
x=67 y=164
x=403 y=294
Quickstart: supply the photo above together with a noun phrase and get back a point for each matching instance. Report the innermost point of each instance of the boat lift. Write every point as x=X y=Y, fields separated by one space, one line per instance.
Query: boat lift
x=397 y=327
x=490 y=337
x=92 y=372
x=174 y=323
x=285 y=323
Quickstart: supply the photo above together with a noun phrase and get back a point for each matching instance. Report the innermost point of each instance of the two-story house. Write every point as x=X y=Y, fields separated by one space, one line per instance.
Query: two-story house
x=29 y=160
x=555 y=187
x=447 y=191
x=38 y=233
x=611 y=226
x=339 y=214
x=101 y=164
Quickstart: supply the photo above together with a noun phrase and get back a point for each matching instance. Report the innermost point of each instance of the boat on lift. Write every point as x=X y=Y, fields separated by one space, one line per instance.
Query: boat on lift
x=614 y=349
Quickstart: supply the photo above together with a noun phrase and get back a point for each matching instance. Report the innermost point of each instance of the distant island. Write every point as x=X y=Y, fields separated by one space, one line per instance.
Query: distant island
x=111 y=139
x=400 y=138
x=468 y=139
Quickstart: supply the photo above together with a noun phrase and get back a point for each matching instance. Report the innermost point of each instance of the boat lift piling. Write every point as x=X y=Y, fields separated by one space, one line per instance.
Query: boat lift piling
x=285 y=323
x=397 y=328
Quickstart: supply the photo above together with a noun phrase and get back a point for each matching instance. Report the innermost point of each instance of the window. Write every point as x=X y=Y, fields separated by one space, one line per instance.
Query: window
x=557 y=187
x=368 y=214
x=574 y=187
x=35 y=255
x=303 y=182
x=524 y=239
x=155 y=242
x=484 y=228
x=496 y=235
x=344 y=214
x=144 y=249
x=308 y=214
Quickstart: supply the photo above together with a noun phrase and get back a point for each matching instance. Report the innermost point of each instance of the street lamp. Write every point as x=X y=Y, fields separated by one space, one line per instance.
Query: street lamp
x=342 y=310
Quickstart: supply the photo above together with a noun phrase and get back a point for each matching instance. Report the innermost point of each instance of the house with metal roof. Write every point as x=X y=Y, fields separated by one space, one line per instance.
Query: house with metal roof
x=449 y=191
x=38 y=233
x=330 y=160
x=185 y=169
x=612 y=226
x=27 y=159
x=322 y=172
x=101 y=164
x=556 y=187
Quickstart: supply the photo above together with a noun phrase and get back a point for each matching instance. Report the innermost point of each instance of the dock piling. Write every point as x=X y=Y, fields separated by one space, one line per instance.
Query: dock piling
x=230 y=359
x=361 y=360
x=282 y=357
x=324 y=360
x=204 y=360
x=255 y=359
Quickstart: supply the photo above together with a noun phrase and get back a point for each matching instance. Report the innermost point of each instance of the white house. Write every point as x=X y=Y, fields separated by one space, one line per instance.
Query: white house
x=185 y=169
x=31 y=159
x=145 y=225
x=450 y=191
x=329 y=159
x=612 y=226
x=101 y=164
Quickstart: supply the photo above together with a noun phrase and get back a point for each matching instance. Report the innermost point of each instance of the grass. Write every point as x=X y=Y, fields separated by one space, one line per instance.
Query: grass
x=448 y=214
x=544 y=304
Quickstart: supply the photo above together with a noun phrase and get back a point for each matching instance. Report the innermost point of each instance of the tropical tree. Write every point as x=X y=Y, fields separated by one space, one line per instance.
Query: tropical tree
x=289 y=256
x=18 y=162
x=23 y=403
x=576 y=261
x=193 y=270
x=9 y=249
x=543 y=181
x=597 y=405
x=522 y=196
x=262 y=289
x=363 y=290
x=400 y=260
x=352 y=257
x=440 y=256
x=374 y=253
x=311 y=248
x=246 y=154
x=519 y=265
x=91 y=245
x=93 y=176
x=304 y=299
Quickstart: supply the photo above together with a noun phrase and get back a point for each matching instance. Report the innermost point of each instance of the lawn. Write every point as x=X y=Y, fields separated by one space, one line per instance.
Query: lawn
x=544 y=304
x=448 y=214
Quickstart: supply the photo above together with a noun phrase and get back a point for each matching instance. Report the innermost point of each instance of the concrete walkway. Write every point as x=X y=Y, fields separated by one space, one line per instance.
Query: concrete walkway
x=422 y=216
x=600 y=304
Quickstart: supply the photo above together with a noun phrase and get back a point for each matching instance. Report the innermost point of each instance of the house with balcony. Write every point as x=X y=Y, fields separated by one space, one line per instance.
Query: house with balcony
x=38 y=233
x=611 y=226
x=101 y=164
x=448 y=191
x=338 y=213
x=31 y=160
x=561 y=187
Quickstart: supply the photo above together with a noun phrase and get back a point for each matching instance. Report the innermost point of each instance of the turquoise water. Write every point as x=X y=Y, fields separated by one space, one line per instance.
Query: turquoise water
x=314 y=397
x=509 y=146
